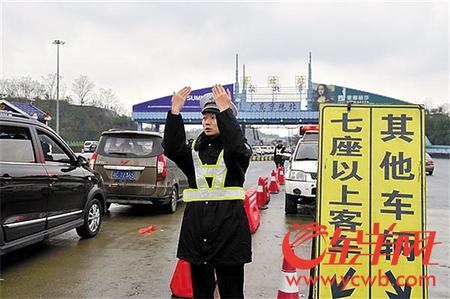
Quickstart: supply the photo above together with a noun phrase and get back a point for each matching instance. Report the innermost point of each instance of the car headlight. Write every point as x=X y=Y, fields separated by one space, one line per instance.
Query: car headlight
x=297 y=175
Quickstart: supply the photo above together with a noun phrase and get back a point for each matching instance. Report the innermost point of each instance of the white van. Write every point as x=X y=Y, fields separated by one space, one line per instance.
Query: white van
x=301 y=175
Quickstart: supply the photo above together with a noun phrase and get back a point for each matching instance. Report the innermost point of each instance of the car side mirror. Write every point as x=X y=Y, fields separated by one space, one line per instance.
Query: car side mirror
x=82 y=161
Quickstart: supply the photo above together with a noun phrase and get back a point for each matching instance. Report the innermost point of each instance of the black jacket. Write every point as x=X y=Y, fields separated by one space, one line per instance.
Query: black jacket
x=214 y=232
x=278 y=157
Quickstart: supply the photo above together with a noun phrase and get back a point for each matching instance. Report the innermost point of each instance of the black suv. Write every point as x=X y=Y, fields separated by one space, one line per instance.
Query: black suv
x=45 y=189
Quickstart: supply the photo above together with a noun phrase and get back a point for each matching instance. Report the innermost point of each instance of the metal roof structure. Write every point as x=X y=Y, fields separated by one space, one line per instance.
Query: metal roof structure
x=263 y=105
x=25 y=108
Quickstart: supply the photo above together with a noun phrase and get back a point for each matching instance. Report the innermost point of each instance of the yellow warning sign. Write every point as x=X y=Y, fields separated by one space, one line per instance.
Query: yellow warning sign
x=371 y=197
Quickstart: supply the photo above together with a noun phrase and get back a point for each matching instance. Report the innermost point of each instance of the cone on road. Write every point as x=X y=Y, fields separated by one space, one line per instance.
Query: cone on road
x=181 y=283
x=261 y=193
x=288 y=288
x=281 y=179
x=274 y=187
x=251 y=209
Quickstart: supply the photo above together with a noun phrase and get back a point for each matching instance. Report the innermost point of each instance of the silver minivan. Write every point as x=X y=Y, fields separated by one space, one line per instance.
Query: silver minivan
x=135 y=170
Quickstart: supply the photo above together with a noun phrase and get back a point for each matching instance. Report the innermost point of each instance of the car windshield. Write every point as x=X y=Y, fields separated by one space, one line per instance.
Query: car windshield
x=311 y=136
x=138 y=146
x=307 y=151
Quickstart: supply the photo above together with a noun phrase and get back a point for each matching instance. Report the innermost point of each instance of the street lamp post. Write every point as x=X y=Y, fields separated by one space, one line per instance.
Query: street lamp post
x=57 y=42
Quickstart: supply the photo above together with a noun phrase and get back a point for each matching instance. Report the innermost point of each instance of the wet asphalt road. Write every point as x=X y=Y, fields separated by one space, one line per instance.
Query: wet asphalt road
x=121 y=263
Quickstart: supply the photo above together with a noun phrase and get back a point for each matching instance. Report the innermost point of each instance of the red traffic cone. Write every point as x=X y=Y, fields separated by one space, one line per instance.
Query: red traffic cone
x=281 y=179
x=273 y=186
x=288 y=288
x=261 y=193
x=181 y=283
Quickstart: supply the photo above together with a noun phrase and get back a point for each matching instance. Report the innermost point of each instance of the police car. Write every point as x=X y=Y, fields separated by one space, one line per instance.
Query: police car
x=301 y=173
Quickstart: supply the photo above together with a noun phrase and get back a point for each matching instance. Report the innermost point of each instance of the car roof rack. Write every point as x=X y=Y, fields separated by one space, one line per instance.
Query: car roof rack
x=17 y=114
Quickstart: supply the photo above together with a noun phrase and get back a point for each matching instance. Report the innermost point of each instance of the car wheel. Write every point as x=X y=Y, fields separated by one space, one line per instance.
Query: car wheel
x=92 y=220
x=430 y=172
x=171 y=207
x=290 y=205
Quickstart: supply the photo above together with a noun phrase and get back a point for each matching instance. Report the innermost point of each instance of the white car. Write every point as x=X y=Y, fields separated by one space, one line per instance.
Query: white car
x=301 y=176
x=262 y=149
x=310 y=135
x=267 y=149
x=89 y=146
x=257 y=150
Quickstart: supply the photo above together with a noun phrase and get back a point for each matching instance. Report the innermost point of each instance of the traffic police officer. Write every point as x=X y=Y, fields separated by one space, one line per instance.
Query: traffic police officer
x=278 y=154
x=215 y=236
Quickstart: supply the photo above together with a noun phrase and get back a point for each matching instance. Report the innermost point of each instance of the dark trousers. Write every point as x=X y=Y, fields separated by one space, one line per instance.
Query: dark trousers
x=279 y=162
x=229 y=278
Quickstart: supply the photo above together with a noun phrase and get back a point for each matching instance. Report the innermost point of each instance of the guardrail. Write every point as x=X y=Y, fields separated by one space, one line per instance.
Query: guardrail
x=262 y=157
x=439 y=151
x=75 y=143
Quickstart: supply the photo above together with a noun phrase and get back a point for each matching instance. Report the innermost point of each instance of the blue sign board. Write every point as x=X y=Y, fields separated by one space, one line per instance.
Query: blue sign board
x=164 y=104
x=270 y=106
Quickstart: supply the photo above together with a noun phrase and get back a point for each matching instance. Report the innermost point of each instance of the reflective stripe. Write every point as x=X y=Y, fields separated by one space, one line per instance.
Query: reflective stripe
x=217 y=172
x=285 y=286
x=226 y=193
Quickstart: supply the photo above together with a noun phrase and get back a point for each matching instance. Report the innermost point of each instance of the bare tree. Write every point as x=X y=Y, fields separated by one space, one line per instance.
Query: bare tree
x=95 y=100
x=121 y=110
x=39 y=90
x=107 y=99
x=82 y=88
x=9 y=87
x=29 y=88
x=49 y=86
x=49 y=83
x=69 y=99
x=25 y=87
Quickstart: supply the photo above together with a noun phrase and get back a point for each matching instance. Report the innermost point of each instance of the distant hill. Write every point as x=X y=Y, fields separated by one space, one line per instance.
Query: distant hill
x=79 y=123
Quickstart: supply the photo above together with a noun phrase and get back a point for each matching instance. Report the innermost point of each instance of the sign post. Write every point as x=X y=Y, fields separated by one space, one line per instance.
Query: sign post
x=371 y=197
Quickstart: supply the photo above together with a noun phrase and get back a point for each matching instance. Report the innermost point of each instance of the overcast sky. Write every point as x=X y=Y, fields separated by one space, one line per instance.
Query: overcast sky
x=147 y=50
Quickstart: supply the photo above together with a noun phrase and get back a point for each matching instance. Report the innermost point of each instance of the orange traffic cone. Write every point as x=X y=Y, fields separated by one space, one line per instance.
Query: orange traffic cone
x=274 y=187
x=281 y=179
x=288 y=288
x=261 y=193
x=181 y=283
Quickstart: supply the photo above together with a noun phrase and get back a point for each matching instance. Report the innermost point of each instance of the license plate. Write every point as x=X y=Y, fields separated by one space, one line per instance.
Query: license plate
x=123 y=175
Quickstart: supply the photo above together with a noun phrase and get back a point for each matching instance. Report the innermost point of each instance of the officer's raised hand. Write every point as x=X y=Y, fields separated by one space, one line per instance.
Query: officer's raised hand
x=179 y=98
x=222 y=98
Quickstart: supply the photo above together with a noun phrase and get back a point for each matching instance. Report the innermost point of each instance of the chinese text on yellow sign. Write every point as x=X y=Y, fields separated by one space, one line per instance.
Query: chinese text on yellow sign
x=371 y=180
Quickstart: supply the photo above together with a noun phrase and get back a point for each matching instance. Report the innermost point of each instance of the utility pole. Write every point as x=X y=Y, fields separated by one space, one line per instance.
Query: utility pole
x=236 y=84
x=57 y=42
